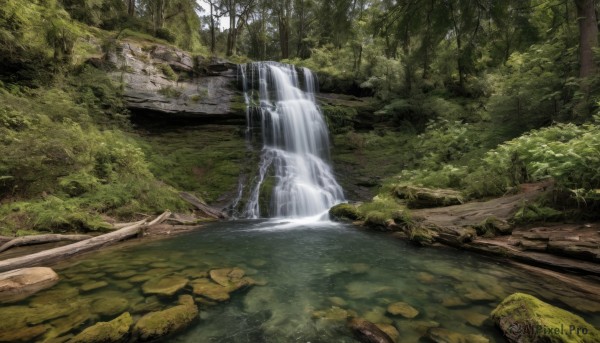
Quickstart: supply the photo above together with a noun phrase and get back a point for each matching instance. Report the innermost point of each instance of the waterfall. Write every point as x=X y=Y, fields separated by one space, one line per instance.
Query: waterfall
x=283 y=114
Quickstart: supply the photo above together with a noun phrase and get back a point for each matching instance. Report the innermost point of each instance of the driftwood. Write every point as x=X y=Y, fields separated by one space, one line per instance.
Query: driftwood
x=60 y=253
x=41 y=239
x=209 y=211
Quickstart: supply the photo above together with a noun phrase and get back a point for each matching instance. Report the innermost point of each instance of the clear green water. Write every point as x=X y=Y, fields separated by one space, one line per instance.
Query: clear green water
x=307 y=268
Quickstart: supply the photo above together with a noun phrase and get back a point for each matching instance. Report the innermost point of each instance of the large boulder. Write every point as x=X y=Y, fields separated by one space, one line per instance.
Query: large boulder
x=161 y=323
x=115 y=330
x=525 y=319
x=20 y=283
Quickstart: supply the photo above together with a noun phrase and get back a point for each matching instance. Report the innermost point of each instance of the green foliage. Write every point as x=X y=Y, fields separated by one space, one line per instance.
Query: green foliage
x=166 y=34
x=167 y=71
x=53 y=153
x=340 y=119
x=565 y=152
x=531 y=213
x=376 y=219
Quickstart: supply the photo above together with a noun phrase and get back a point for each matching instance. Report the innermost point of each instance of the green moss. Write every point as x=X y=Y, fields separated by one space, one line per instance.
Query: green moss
x=206 y=160
x=420 y=235
x=344 y=212
x=102 y=332
x=526 y=319
x=376 y=219
x=339 y=119
x=155 y=325
x=167 y=71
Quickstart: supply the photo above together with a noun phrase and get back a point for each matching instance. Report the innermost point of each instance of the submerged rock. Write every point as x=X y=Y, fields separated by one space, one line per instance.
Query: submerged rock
x=115 y=330
x=368 y=332
x=334 y=313
x=161 y=323
x=21 y=283
x=525 y=319
x=23 y=334
x=210 y=290
x=90 y=286
x=168 y=285
x=109 y=306
x=390 y=330
x=402 y=309
x=441 y=335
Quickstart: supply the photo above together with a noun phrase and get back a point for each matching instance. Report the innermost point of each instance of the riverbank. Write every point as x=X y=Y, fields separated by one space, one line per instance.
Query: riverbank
x=487 y=227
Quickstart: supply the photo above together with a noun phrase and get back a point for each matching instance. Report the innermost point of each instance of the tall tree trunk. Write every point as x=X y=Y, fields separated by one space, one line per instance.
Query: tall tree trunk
x=212 y=29
x=284 y=36
x=232 y=29
x=131 y=8
x=588 y=36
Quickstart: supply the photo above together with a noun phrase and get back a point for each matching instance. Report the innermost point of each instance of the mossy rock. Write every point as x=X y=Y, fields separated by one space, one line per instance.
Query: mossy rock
x=376 y=219
x=402 y=309
x=448 y=336
x=161 y=323
x=166 y=286
x=421 y=235
x=115 y=330
x=344 y=212
x=109 y=306
x=525 y=319
x=417 y=197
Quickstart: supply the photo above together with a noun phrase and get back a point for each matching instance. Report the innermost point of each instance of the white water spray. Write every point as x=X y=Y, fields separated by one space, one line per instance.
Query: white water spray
x=295 y=141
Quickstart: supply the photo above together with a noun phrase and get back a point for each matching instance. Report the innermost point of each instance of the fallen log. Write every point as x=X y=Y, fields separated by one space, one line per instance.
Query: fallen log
x=64 y=252
x=208 y=210
x=41 y=239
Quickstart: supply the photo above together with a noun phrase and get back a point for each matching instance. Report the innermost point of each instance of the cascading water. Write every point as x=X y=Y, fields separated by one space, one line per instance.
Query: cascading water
x=295 y=141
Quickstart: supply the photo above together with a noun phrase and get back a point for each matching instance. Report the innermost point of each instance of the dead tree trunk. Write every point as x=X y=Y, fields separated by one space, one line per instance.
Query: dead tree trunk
x=67 y=251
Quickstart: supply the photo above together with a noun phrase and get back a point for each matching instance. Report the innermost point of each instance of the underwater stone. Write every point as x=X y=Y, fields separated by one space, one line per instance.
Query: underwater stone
x=334 y=313
x=441 y=335
x=402 y=309
x=167 y=285
x=90 y=286
x=161 y=323
x=23 y=334
x=210 y=290
x=106 y=332
x=368 y=332
x=109 y=306
x=390 y=330
x=525 y=319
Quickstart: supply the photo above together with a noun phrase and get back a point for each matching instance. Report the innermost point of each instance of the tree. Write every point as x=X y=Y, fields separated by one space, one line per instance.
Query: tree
x=131 y=8
x=239 y=12
x=588 y=36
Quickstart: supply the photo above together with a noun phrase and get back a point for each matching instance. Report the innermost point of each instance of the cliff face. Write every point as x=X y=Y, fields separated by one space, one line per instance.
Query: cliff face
x=167 y=82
